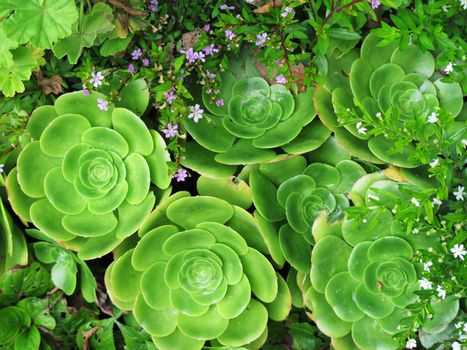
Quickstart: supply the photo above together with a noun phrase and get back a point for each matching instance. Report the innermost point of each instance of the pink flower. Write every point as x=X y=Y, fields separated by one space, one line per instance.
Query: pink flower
x=102 y=104
x=280 y=79
x=181 y=175
x=219 y=102
x=261 y=39
x=86 y=92
x=171 y=131
x=96 y=79
x=375 y=4
x=136 y=54
x=210 y=49
x=131 y=68
x=146 y=62
x=229 y=34
x=170 y=97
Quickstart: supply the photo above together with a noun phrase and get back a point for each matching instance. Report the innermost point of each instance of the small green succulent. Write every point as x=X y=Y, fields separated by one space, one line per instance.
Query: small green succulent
x=379 y=81
x=253 y=120
x=289 y=195
x=363 y=275
x=193 y=278
x=85 y=179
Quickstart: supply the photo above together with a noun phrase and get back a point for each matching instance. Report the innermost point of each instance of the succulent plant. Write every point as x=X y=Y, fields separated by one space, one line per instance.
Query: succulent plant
x=379 y=81
x=85 y=179
x=193 y=277
x=289 y=194
x=363 y=276
x=255 y=120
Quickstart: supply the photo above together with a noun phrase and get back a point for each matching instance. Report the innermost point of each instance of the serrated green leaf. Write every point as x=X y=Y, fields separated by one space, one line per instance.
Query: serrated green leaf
x=11 y=77
x=6 y=44
x=41 y=22
x=96 y=22
x=135 y=338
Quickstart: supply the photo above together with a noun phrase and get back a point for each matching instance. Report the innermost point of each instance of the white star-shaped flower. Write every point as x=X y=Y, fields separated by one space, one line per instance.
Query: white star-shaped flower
x=425 y=284
x=458 y=251
x=459 y=193
x=411 y=344
x=441 y=292
x=456 y=346
x=449 y=68
x=433 y=118
x=196 y=113
x=427 y=265
x=415 y=201
x=361 y=130
x=434 y=163
x=436 y=201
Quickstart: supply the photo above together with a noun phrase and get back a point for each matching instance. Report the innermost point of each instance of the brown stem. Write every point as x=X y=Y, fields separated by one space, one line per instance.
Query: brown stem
x=286 y=55
x=126 y=8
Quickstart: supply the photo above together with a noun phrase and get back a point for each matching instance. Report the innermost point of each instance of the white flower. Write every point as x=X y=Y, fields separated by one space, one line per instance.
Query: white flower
x=433 y=118
x=372 y=196
x=437 y=201
x=459 y=193
x=102 y=104
x=96 y=79
x=434 y=163
x=196 y=113
x=411 y=344
x=441 y=292
x=378 y=115
x=360 y=129
x=465 y=327
x=464 y=4
x=459 y=324
x=464 y=142
x=427 y=265
x=449 y=68
x=425 y=284
x=1 y=168
x=415 y=201
x=446 y=8
x=456 y=346
x=459 y=251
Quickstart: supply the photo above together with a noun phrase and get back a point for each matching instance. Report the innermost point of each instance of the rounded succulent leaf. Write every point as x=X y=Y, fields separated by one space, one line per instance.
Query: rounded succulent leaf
x=85 y=178
x=363 y=275
x=254 y=120
x=194 y=278
x=383 y=80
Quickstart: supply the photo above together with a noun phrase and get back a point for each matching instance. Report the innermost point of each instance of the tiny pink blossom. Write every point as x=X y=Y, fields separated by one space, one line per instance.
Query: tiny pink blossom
x=261 y=39
x=210 y=49
x=170 y=96
x=96 y=79
x=136 y=54
x=375 y=4
x=146 y=62
x=131 y=68
x=219 y=102
x=1 y=168
x=229 y=34
x=86 y=92
x=227 y=7
x=280 y=79
x=102 y=104
x=171 y=131
x=181 y=175
x=210 y=75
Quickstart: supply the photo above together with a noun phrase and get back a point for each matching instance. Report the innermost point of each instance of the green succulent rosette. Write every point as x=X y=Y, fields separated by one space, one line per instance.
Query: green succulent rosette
x=193 y=278
x=377 y=81
x=289 y=194
x=363 y=275
x=85 y=179
x=256 y=121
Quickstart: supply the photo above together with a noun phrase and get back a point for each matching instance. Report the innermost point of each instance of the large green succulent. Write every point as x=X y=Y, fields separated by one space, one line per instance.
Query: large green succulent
x=377 y=80
x=363 y=276
x=85 y=179
x=193 y=277
x=289 y=194
x=256 y=118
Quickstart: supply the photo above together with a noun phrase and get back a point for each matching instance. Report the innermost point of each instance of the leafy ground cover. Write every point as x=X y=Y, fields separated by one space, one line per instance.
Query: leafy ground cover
x=236 y=175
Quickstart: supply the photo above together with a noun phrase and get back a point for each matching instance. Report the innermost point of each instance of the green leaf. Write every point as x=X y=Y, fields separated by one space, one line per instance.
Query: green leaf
x=96 y=22
x=64 y=273
x=135 y=338
x=114 y=46
x=6 y=44
x=11 y=77
x=33 y=280
x=41 y=22
x=28 y=340
x=344 y=34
